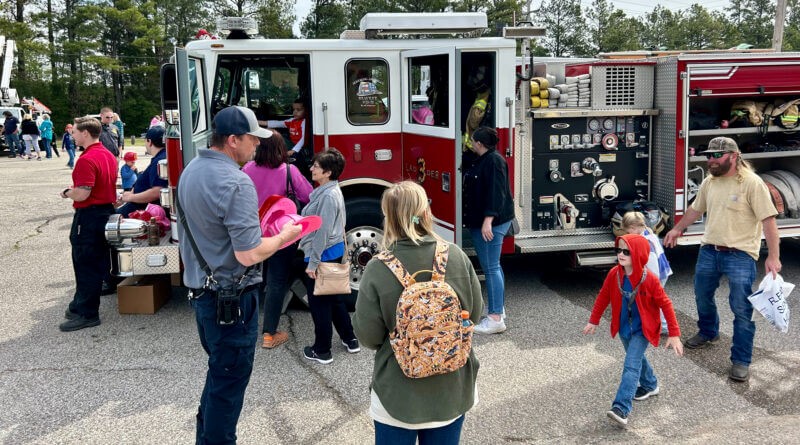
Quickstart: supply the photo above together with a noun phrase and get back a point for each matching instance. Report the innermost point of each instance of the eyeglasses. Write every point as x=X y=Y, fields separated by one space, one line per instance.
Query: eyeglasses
x=717 y=154
x=626 y=252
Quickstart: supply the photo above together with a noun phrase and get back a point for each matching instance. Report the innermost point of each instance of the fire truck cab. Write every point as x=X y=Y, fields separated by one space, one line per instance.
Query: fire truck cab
x=395 y=108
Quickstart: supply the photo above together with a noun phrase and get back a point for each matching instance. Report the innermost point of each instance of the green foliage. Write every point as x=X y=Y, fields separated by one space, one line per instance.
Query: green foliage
x=108 y=52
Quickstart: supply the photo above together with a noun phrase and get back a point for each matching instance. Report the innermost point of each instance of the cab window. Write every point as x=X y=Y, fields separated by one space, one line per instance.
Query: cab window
x=367 y=91
x=429 y=90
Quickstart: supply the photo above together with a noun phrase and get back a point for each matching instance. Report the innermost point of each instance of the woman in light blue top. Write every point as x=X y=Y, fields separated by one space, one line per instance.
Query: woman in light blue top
x=46 y=134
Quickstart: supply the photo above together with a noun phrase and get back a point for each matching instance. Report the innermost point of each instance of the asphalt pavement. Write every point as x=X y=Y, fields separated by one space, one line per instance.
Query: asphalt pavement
x=137 y=379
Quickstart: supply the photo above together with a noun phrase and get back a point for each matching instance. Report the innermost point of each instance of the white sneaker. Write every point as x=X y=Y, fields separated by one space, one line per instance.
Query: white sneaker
x=486 y=312
x=489 y=326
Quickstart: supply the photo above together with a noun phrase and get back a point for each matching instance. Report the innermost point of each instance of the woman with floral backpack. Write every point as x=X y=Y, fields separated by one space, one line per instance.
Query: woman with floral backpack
x=429 y=409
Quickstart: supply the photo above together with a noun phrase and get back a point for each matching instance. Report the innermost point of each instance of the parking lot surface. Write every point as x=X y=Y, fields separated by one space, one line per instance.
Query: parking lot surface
x=137 y=379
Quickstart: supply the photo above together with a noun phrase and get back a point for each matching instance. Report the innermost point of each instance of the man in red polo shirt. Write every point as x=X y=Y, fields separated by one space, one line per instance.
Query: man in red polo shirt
x=93 y=193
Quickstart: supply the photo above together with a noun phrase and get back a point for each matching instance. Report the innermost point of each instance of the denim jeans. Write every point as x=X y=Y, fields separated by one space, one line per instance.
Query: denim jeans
x=636 y=372
x=489 y=258
x=740 y=268
x=71 y=153
x=276 y=273
x=14 y=147
x=444 y=435
x=45 y=143
x=230 y=350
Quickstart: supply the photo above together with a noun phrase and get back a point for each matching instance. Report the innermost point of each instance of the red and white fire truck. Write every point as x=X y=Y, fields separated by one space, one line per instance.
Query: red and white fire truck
x=396 y=107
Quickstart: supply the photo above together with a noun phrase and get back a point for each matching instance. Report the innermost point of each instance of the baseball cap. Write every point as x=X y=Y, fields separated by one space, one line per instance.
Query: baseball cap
x=721 y=144
x=155 y=133
x=129 y=156
x=236 y=120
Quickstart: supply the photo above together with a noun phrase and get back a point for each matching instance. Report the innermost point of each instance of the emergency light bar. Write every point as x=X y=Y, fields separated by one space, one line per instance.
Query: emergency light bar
x=523 y=32
x=383 y=23
x=229 y=24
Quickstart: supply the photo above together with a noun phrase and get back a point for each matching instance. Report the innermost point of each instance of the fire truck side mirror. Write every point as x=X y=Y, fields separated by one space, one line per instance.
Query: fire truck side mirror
x=169 y=93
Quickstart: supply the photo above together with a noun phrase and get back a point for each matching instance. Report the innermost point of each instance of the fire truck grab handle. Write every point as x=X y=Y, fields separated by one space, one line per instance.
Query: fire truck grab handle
x=510 y=105
x=325 y=122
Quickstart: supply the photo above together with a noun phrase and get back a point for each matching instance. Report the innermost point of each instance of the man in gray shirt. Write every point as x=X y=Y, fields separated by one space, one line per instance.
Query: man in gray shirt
x=220 y=204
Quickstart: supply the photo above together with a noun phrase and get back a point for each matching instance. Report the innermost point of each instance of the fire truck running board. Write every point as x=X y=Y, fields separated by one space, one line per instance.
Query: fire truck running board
x=529 y=241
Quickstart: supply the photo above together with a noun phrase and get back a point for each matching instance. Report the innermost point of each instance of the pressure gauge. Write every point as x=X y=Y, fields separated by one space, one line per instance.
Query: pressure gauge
x=553 y=139
x=576 y=139
x=608 y=124
x=587 y=139
x=564 y=139
x=594 y=124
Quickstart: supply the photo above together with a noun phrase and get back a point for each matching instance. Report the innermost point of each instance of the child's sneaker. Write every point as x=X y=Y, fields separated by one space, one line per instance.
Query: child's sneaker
x=617 y=416
x=352 y=345
x=489 y=326
x=644 y=394
x=308 y=352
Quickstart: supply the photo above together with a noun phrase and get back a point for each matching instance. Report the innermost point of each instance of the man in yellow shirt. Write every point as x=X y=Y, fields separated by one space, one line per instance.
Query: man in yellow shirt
x=738 y=208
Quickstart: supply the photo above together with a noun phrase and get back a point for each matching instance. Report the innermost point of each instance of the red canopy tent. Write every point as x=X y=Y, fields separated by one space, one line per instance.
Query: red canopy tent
x=35 y=105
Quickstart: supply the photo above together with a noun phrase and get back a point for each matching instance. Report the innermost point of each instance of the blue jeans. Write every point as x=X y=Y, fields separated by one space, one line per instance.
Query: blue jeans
x=393 y=435
x=740 y=268
x=277 y=269
x=47 y=148
x=230 y=350
x=71 y=153
x=636 y=372
x=489 y=258
x=14 y=147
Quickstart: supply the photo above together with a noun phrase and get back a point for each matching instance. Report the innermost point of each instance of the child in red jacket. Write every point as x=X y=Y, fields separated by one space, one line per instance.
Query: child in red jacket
x=636 y=298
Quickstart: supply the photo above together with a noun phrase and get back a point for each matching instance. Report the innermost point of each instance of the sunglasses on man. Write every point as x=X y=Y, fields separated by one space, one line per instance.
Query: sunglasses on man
x=626 y=252
x=716 y=154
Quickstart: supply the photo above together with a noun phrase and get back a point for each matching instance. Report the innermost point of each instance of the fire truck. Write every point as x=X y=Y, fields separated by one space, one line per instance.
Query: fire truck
x=394 y=97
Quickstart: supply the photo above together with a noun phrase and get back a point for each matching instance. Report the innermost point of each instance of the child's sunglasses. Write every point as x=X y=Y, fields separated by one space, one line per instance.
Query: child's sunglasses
x=625 y=252
x=716 y=154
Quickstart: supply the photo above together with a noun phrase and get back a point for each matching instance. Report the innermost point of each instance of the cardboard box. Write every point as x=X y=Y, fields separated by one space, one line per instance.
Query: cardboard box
x=144 y=294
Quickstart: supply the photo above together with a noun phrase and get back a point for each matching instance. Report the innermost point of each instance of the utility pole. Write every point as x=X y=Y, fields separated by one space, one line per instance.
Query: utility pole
x=780 y=18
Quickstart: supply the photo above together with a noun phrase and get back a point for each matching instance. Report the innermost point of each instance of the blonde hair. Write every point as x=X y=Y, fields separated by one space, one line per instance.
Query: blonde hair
x=407 y=214
x=633 y=219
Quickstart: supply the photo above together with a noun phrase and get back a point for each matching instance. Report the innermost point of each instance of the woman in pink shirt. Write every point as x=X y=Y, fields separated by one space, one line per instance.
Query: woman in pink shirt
x=272 y=175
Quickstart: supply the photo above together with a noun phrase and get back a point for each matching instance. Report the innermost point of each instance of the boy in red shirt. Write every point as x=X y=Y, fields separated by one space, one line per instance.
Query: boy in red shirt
x=636 y=298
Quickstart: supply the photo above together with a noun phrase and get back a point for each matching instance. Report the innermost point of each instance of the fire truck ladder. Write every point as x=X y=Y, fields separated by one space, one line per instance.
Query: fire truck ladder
x=8 y=96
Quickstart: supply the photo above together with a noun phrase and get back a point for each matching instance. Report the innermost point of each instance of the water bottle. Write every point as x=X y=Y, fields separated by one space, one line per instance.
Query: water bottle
x=465 y=321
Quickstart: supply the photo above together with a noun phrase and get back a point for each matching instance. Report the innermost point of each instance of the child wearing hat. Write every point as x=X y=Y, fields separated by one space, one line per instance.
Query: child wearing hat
x=128 y=172
x=636 y=297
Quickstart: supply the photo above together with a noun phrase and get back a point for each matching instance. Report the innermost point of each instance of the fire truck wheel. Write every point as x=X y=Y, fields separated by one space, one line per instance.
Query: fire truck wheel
x=364 y=236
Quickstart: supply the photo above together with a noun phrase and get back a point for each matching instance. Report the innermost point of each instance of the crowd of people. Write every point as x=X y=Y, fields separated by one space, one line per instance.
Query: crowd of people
x=223 y=245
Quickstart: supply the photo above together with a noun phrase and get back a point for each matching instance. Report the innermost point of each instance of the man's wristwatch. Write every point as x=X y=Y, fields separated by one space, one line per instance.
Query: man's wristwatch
x=64 y=193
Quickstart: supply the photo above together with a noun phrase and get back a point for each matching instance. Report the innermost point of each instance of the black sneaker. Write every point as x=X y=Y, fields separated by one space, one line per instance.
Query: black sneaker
x=79 y=323
x=617 y=416
x=644 y=394
x=309 y=353
x=700 y=342
x=352 y=345
x=69 y=315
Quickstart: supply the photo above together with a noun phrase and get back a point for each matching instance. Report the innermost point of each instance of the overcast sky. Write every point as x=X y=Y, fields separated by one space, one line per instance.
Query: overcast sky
x=630 y=7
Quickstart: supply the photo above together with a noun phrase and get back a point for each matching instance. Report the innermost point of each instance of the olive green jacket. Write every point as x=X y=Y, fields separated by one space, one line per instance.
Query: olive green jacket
x=435 y=398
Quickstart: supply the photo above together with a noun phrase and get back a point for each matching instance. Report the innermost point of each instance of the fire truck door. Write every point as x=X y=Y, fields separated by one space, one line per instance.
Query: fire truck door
x=431 y=151
x=193 y=103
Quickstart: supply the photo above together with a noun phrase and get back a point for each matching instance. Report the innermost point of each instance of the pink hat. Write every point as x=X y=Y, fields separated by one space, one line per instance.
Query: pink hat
x=277 y=211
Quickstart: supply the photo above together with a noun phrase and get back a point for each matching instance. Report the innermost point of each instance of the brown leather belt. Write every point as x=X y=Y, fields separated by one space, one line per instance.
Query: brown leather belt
x=722 y=248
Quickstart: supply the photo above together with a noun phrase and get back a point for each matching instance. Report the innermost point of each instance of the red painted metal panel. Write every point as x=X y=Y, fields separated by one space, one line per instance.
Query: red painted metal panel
x=437 y=156
x=174 y=160
x=367 y=166
x=742 y=77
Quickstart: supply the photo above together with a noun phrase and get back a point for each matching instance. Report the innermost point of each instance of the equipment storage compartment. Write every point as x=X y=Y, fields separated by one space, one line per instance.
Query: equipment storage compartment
x=732 y=95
